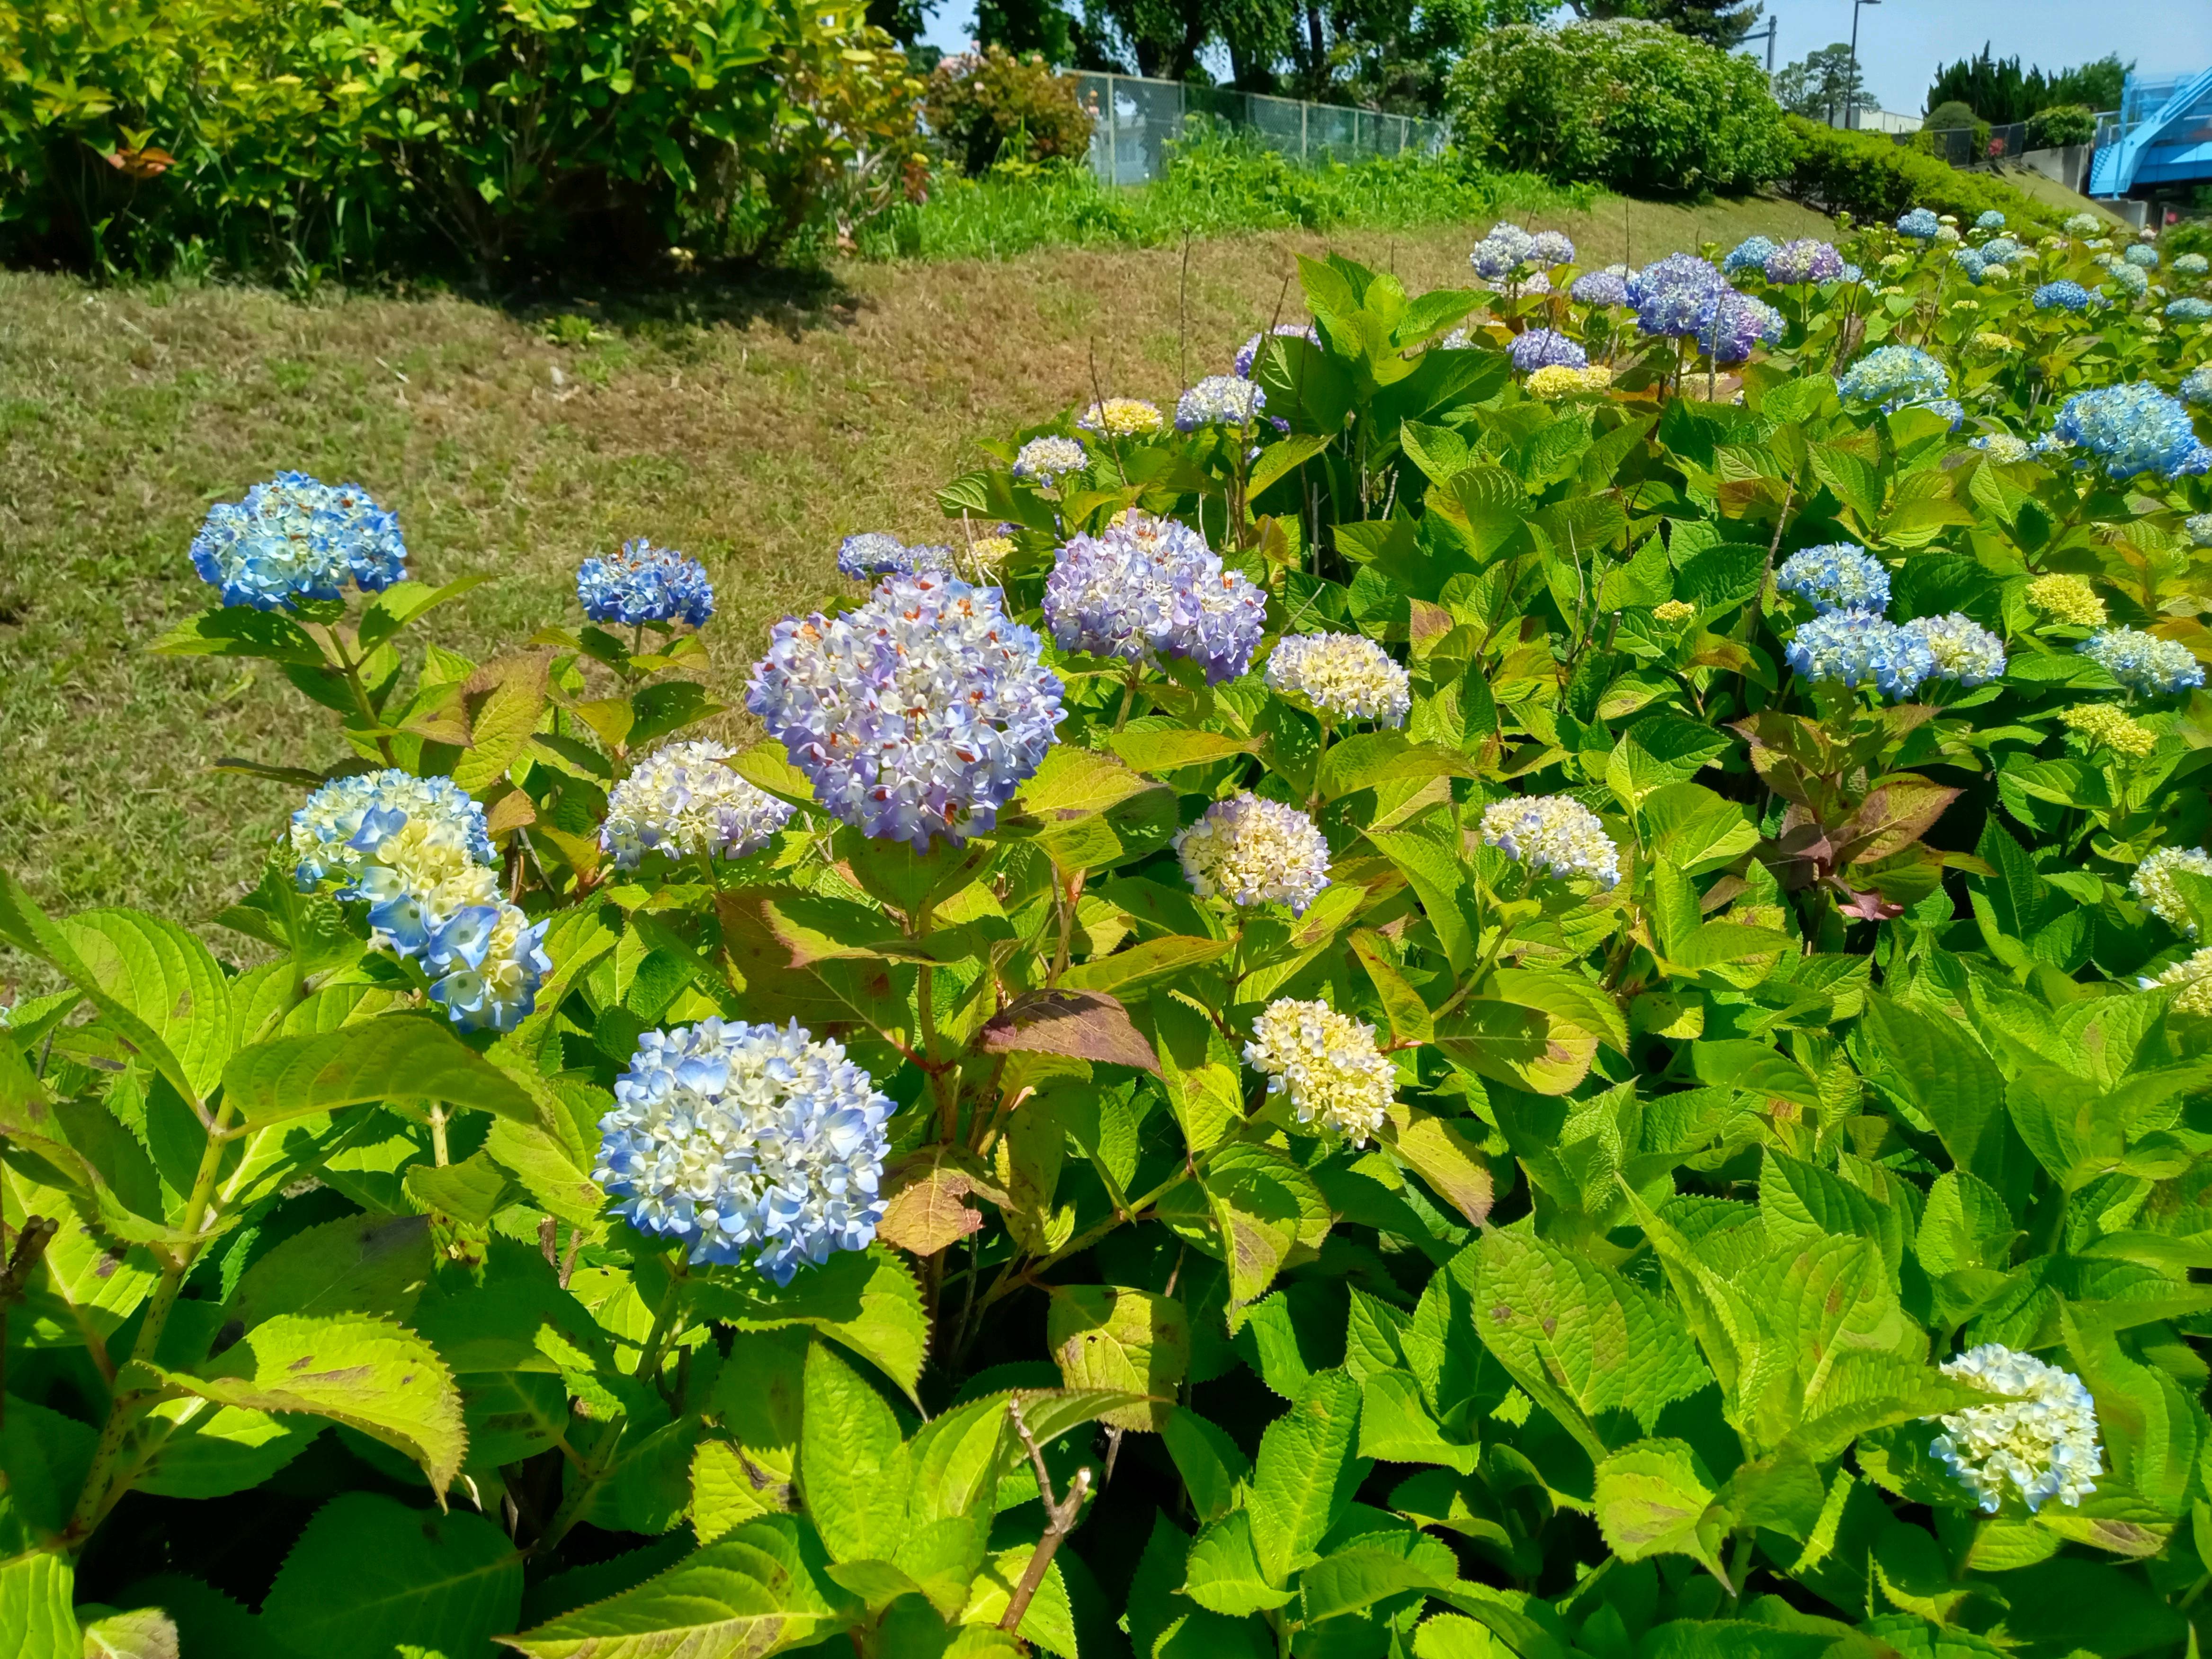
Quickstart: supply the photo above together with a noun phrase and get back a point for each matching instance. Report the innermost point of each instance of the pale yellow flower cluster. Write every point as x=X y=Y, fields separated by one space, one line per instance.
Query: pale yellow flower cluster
x=1673 y=612
x=1557 y=381
x=2068 y=599
x=2106 y=723
x=1328 y=1064
x=1990 y=340
x=2194 y=976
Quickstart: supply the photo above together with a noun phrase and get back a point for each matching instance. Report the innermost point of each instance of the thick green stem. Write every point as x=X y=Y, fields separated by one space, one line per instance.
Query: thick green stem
x=593 y=1470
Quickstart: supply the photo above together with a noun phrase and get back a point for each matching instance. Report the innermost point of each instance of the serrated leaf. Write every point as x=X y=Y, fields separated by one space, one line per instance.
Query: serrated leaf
x=36 y=1621
x=1078 y=1024
x=142 y=1633
x=1106 y=1337
x=1653 y=1499
x=865 y=1300
x=369 y=1573
x=1223 y=1574
x=375 y=1266
x=396 y=1057
x=851 y=1465
x=1306 y=1473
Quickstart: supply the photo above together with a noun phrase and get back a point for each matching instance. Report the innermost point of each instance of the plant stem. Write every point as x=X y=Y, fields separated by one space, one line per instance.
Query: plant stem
x=1060 y=1520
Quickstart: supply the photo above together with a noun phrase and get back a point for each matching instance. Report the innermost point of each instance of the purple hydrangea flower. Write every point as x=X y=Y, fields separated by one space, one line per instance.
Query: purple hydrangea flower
x=1609 y=287
x=1150 y=587
x=1544 y=348
x=1734 y=323
x=1249 y=353
x=1671 y=294
x=1551 y=247
x=1803 y=260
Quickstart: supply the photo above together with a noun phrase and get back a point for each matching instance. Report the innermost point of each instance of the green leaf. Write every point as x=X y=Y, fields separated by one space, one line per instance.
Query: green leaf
x=1372 y=1567
x=1168 y=748
x=507 y=700
x=1305 y=1475
x=1213 y=1467
x=237 y=631
x=1264 y=1207
x=370 y=1573
x=1395 y=1426
x=394 y=1057
x=1653 y=1498
x=866 y=1301
x=214 y=1450
x=375 y=1265
x=403 y=602
x=473 y=1190
x=1143 y=962
x=1222 y=1574
x=378 y=1378
x=1280 y=459
x=1937 y=1067
x=1104 y=1337
x=36 y=1621
x=143 y=1633
x=851 y=1465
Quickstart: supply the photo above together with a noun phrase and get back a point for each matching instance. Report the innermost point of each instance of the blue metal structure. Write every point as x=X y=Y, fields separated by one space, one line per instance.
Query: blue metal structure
x=2161 y=135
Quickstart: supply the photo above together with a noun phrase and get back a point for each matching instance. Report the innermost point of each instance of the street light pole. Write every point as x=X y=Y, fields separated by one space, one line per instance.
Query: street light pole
x=1851 y=93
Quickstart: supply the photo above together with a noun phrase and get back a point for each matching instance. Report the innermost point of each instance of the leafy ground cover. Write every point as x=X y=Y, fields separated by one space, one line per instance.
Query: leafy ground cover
x=753 y=431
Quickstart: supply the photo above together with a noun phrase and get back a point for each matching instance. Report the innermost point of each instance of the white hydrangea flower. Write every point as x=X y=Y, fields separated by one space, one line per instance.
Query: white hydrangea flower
x=1343 y=676
x=2194 y=976
x=683 y=801
x=1252 y=851
x=2153 y=884
x=1554 y=834
x=2042 y=1443
x=1336 y=1079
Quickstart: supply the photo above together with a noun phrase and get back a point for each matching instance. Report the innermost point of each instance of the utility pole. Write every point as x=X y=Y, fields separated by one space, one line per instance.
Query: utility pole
x=1766 y=34
x=1851 y=106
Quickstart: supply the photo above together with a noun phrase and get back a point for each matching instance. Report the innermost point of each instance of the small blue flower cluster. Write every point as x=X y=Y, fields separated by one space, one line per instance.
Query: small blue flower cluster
x=2131 y=430
x=2191 y=265
x=1502 y=250
x=2130 y=279
x=1734 y=323
x=2064 y=295
x=873 y=553
x=418 y=851
x=1920 y=224
x=2189 y=308
x=645 y=584
x=1249 y=353
x=1804 y=260
x=727 y=1138
x=296 y=537
x=1970 y=263
x=1545 y=348
x=1836 y=576
x=2144 y=258
x=917 y=715
x=1675 y=295
x=2144 y=662
x=1150 y=587
x=2003 y=250
x=1990 y=220
x=1045 y=461
x=1609 y=287
x=1857 y=648
x=1219 y=400
x=2196 y=386
x=1750 y=254
x=1893 y=376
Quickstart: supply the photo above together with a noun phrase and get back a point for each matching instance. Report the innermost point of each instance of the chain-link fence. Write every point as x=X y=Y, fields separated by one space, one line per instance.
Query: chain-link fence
x=1132 y=119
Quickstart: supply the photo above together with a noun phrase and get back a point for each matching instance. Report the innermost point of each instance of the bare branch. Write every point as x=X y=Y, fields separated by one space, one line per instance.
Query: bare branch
x=1060 y=1520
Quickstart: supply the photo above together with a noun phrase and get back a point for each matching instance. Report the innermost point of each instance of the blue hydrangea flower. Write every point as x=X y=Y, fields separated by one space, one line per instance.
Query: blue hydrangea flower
x=1970 y=263
x=2064 y=295
x=2003 y=250
x=1750 y=254
x=1551 y=247
x=1671 y=294
x=419 y=852
x=1893 y=376
x=1920 y=224
x=1502 y=250
x=2191 y=265
x=1734 y=323
x=2137 y=254
x=645 y=584
x=2196 y=386
x=1544 y=348
x=731 y=1138
x=2038 y=1439
x=1852 y=273
x=1609 y=287
x=1856 y=648
x=2131 y=430
x=2144 y=662
x=1219 y=400
x=1049 y=459
x=2189 y=308
x=2199 y=526
x=873 y=553
x=2130 y=279
x=295 y=537
x=1150 y=587
x=1804 y=260
x=915 y=716
x=1249 y=353
x=1964 y=650
x=1836 y=576
x=1990 y=220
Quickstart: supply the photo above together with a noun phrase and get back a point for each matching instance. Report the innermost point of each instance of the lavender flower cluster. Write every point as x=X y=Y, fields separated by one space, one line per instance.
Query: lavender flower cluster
x=874 y=553
x=1150 y=587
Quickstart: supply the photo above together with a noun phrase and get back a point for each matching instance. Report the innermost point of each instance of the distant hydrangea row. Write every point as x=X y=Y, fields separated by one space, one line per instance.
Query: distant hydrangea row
x=729 y=1137
x=2069 y=599
x=1802 y=261
x=1327 y=1065
x=1554 y=835
x=873 y=554
x=645 y=584
x=295 y=537
x=1219 y=400
x=1672 y=295
x=1855 y=649
x=2101 y=722
x=683 y=801
x=1148 y=587
x=418 y=851
x=1893 y=376
x=2152 y=885
x=1544 y=348
x=2143 y=662
x=1836 y=576
x=1122 y=418
x=1249 y=353
x=1341 y=675
x=1962 y=648
x=917 y=715
x=1253 y=851
x=2040 y=1444
x=1045 y=461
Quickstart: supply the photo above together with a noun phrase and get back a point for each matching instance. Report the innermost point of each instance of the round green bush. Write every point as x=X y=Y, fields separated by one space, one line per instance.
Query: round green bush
x=984 y=106
x=2060 y=125
x=1944 y=118
x=1629 y=104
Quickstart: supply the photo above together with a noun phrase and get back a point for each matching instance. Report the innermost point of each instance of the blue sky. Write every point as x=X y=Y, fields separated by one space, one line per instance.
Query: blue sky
x=1902 y=41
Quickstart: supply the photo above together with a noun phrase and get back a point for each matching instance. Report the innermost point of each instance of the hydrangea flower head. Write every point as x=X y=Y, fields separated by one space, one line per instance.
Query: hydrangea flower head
x=683 y=800
x=1990 y=340
x=2191 y=265
x=295 y=537
x=1252 y=851
x=1734 y=323
x=1919 y=224
x=2154 y=888
x=2003 y=448
x=1219 y=400
x=1856 y=648
x=2041 y=1443
x=915 y=716
x=1502 y=251
x=1969 y=261
x=2003 y=250
x=1609 y=287
x=873 y=553
x=1803 y=260
x=1122 y=418
x=1836 y=577
x=2144 y=662
x=2064 y=295
x=1672 y=613
x=1342 y=677
x=1049 y=459
x=2106 y=723
x=1964 y=650
x=2194 y=977
x=2189 y=308
x=1327 y=1064
x=2197 y=526
x=1549 y=385
x=1150 y=587
x=1750 y=254
x=1671 y=294
x=1551 y=247
x=1554 y=835
x=1249 y=353
x=2083 y=224
x=728 y=1138
x=1544 y=348
x=2132 y=428
x=1990 y=220
x=1893 y=376
x=2130 y=281
x=2068 y=599
x=2142 y=258
x=2196 y=386
x=645 y=584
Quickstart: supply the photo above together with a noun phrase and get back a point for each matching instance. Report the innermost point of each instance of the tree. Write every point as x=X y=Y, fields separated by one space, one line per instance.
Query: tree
x=1722 y=23
x=1998 y=91
x=1023 y=27
x=902 y=19
x=1823 y=86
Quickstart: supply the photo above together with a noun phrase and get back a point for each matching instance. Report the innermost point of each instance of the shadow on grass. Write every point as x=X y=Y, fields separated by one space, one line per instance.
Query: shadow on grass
x=793 y=301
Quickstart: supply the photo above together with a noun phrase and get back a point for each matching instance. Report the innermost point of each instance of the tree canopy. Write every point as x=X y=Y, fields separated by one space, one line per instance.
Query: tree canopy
x=1998 y=91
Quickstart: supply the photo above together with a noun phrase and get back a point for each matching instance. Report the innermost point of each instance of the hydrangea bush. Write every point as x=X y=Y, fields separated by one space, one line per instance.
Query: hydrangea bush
x=1463 y=1002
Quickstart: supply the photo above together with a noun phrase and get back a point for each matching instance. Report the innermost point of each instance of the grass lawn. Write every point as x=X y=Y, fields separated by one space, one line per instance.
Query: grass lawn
x=752 y=430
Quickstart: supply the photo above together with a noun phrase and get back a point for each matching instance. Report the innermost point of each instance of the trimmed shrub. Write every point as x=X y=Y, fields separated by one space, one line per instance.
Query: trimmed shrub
x=1868 y=177
x=1629 y=105
x=1944 y=118
x=983 y=105
x=2060 y=125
